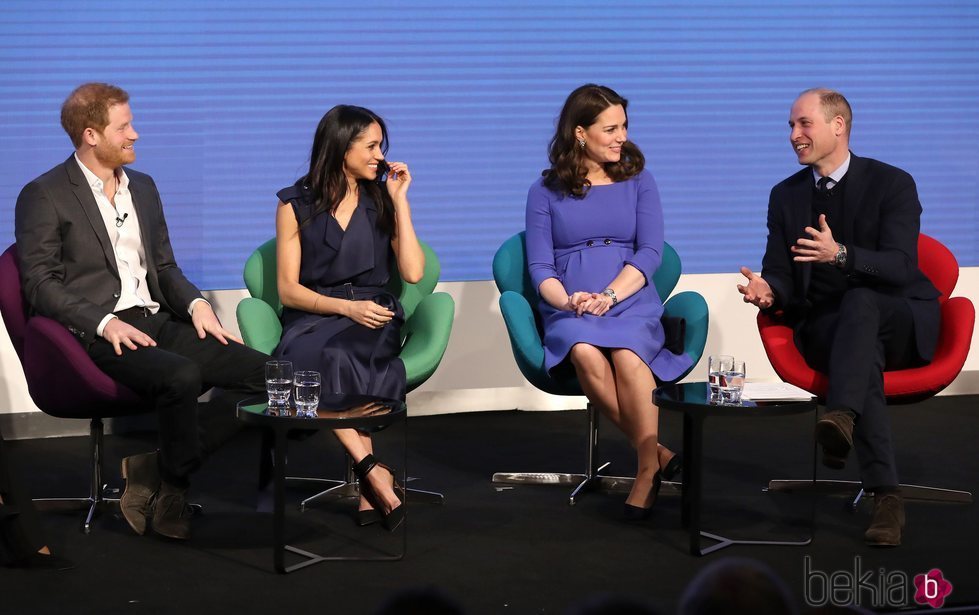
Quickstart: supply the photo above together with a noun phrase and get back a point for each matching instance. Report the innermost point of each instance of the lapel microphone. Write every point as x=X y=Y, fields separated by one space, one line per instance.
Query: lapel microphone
x=119 y=221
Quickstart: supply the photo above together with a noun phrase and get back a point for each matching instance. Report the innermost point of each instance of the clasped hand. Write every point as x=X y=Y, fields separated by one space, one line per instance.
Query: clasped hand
x=369 y=314
x=581 y=302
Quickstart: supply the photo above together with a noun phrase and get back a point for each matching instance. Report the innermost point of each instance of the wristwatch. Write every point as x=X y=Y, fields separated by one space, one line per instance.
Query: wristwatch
x=608 y=292
x=840 y=259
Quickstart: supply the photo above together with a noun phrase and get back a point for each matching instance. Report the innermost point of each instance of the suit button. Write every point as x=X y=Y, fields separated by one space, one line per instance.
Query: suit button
x=589 y=243
x=608 y=242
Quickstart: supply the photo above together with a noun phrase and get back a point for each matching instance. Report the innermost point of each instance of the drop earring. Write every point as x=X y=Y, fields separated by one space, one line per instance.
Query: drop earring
x=581 y=142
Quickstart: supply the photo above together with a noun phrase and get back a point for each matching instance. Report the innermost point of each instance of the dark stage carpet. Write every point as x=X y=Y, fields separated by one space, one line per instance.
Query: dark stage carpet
x=502 y=550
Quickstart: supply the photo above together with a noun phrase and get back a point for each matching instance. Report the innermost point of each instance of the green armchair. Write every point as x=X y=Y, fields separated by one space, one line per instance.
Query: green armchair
x=425 y=334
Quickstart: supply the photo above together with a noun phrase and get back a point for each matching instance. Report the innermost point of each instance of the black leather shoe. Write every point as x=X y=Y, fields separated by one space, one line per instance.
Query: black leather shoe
x=887 y=522
x=142 y=475
x=672 y=467
x=632 y=513
x=834 y=432
x=171 y=513
x=40 y=561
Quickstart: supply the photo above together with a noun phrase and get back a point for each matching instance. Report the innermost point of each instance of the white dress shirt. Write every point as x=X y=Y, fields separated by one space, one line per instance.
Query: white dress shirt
x=122 y=225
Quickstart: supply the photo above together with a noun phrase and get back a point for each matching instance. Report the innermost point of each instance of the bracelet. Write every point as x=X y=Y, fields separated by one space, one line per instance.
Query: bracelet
x=608 y=292
x=316 y=302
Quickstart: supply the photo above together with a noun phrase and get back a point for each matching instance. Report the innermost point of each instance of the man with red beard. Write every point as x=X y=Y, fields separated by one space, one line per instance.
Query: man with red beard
x=95 y=255
x=841 y=265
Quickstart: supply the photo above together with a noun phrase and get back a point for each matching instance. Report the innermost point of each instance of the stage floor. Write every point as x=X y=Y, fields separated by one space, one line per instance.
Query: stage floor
x=499 y=549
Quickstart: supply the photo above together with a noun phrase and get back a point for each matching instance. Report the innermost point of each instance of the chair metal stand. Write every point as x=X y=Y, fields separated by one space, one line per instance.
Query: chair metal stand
x=853 y=489
x=348 y=488
x=96 y=502
x=591 y=480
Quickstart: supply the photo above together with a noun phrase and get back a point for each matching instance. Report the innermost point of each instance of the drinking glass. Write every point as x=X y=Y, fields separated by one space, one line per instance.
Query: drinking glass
x=732 y=382
x=307 y=393
x=716 y=366
x=278 y=383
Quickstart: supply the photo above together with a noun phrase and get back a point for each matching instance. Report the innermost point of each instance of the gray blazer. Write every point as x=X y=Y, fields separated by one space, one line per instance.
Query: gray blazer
x=67 y=266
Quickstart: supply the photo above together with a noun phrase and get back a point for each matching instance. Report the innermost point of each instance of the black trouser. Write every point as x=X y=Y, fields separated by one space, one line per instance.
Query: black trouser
x=853 y=342
x=173 y=374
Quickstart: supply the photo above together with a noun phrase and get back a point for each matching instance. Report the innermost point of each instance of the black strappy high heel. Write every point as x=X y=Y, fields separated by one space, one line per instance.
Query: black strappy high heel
x=393 y=519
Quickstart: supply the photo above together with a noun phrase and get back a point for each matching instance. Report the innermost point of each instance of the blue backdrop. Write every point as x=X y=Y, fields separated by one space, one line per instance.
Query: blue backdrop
x=226 y=96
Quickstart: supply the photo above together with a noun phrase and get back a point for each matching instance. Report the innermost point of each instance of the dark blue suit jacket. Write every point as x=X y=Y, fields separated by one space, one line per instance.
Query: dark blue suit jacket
x=881 y=224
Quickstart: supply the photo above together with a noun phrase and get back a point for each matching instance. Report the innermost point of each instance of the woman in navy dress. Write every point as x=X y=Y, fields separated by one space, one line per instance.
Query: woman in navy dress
x=338 y=230
x=594 y=241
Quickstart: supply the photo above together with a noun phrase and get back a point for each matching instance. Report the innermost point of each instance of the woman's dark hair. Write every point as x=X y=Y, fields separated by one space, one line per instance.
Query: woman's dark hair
x=326 y=180
x=567 y=174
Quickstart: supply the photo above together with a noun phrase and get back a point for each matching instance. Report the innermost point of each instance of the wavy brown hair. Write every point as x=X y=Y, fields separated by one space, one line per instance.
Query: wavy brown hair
x=568 y=175
x=340 y=127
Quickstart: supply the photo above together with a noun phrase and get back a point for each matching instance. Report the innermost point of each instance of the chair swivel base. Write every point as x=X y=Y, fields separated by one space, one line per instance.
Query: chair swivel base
x=582 y=482
x=340 y=489
x=853 y=489
x=95 y=507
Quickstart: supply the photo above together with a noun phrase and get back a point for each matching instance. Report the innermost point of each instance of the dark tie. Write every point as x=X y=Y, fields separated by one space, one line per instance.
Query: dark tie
x=822 y=186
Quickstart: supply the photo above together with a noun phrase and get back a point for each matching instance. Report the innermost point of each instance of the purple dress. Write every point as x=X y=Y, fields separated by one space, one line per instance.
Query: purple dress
x=585 y=243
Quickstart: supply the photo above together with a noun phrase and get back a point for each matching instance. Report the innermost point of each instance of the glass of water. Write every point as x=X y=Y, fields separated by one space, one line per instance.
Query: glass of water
x=278 y=383
x=307 y=393
x=716 y=366
x=732 y=382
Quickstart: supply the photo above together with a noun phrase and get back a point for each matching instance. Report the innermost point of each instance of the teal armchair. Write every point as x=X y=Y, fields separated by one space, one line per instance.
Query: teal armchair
x=425 y=334
x=518 y=303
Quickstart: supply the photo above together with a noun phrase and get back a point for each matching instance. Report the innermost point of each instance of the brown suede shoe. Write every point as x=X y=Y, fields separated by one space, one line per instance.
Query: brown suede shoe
x=834 y=432
x=888 y=520
x=142 y=475
x=171 y=513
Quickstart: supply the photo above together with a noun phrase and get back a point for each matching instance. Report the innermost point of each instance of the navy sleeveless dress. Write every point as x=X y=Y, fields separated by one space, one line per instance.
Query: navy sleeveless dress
x=349 y=264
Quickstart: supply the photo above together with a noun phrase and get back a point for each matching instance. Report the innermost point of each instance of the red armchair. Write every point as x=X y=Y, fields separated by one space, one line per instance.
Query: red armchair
x=900 y=386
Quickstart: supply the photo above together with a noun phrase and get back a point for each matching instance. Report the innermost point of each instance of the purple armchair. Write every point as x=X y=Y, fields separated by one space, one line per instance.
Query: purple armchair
x=63 y=382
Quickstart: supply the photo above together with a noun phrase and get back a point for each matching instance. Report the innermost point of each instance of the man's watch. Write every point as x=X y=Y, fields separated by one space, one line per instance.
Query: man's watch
x=608 y=292
x=840 y=259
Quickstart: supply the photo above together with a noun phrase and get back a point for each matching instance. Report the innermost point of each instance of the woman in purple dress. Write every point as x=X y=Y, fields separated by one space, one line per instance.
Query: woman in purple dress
x=594 y=241
x=337 y=231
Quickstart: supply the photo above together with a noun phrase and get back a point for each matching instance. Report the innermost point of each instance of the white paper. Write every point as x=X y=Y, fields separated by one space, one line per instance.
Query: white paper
x=774 y=391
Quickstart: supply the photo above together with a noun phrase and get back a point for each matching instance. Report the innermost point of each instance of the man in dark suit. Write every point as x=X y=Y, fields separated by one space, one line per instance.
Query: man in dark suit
x=95 y=255
x=841 y=263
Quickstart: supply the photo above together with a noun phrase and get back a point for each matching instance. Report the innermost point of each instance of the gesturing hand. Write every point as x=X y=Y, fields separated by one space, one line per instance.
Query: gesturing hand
x=399 y=178
x=368 y=313
x=120 y=333
x=821 y=248
x=756 y=291
x=205 y=321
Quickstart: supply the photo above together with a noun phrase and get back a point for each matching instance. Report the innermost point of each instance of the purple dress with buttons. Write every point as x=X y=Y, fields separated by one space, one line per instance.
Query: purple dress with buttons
x=585 y=243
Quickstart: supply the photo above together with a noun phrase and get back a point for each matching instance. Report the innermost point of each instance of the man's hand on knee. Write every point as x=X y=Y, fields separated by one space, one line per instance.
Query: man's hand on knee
x=120 y=333
x=205 y=321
